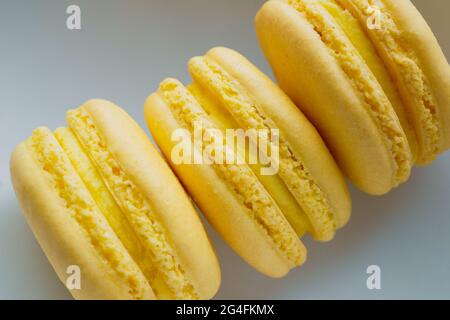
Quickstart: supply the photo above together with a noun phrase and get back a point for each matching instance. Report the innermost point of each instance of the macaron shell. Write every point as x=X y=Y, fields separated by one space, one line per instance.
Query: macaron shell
x=273 y=183
x=61 y=238
x=100 y=193
x=294 y=127
x=175 y=212
x=355 y=32
x=229 y=94
x=419 y=68
x=433 y=62
x=312 y=77
x=221 y=207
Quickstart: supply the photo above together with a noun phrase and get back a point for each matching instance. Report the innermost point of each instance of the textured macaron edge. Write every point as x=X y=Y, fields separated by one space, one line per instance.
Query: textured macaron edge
x=357 y=35
x=311 y=76
x=365 y=84
x=197 y=267
x=418 y=66
x=432 y=60
x=223 y=207
x=64 y=240
x=214 y=72
x=303 y=139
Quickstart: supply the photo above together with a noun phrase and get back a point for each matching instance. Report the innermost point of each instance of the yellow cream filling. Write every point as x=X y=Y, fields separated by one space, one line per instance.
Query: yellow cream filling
x=413 y=77
x=239 y=178
x=98 y=190
x=229 y=93
x=109 y=208
x=135 y=207
x=350 y=25
x=363 y=81
x=273 y=183
x=77 y=199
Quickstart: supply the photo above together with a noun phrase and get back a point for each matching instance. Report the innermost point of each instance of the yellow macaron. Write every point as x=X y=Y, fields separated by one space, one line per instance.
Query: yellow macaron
x=371 y=77
x=98 y=196
x=420 y=73
x=260 y=215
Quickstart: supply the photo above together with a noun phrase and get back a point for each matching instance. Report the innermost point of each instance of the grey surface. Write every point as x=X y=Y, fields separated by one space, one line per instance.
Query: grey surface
x=122 y=53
